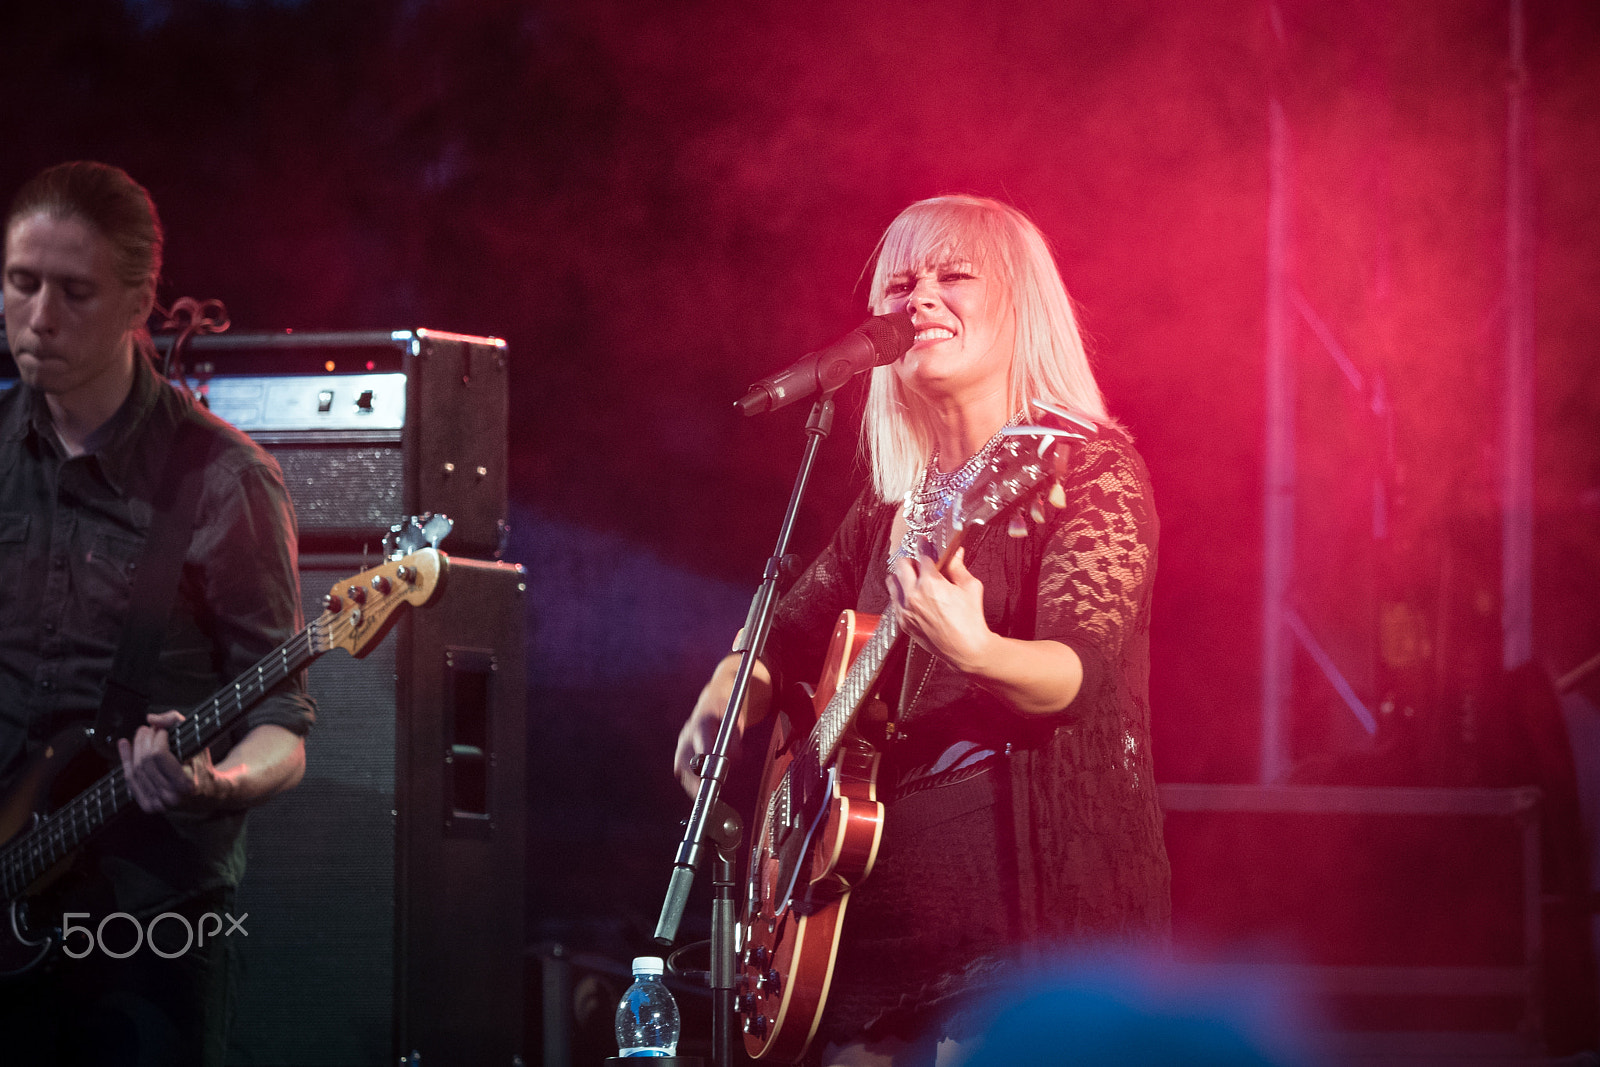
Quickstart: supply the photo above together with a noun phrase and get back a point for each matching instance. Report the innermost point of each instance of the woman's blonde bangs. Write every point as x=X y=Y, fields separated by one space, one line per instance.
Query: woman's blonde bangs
x=942 y=232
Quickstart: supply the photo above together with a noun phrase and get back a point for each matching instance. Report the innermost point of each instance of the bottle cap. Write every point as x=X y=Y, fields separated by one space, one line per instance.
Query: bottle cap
x=649 y=965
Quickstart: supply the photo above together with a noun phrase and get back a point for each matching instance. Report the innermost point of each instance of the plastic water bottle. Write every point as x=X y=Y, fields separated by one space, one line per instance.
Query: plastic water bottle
x=647 y=1016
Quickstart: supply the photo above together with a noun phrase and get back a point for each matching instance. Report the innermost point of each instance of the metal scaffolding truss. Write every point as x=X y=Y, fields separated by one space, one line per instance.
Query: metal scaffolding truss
x=1289 y=311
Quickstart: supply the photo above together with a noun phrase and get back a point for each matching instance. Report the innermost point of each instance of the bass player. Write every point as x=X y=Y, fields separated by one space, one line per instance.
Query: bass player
x=85 y=441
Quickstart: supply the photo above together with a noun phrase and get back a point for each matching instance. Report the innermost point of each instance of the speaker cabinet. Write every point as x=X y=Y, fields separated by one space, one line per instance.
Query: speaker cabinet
x=384 y=893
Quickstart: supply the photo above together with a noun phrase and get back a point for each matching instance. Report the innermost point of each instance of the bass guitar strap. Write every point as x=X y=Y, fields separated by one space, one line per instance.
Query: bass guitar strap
x=176 y=506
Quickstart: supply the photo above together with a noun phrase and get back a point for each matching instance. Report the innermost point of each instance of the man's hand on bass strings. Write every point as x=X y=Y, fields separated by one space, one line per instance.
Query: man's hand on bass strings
x=156 y=779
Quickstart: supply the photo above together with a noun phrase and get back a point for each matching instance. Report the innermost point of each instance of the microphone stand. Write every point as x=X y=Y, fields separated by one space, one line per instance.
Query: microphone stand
x=714 y=769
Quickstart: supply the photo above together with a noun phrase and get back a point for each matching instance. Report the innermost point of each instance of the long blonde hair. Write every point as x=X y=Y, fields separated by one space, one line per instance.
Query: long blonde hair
x=1048 y=362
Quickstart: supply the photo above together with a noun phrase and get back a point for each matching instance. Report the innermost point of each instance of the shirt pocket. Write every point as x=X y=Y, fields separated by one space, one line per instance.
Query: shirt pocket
x=14 y=562
x=13 y=539
x=104 y=581
x=14 y=527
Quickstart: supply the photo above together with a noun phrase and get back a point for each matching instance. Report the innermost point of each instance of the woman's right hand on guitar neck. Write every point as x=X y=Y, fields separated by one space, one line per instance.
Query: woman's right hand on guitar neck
x=699 y=733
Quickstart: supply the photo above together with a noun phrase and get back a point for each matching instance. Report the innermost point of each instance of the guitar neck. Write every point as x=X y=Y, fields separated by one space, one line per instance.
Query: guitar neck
x=864 y=670
x=852 y=692
x=218 y=713
x=53 y=837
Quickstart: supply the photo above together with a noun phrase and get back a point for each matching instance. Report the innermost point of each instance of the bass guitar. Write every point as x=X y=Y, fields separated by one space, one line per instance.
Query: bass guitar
x=819 y=819
x=41 y=835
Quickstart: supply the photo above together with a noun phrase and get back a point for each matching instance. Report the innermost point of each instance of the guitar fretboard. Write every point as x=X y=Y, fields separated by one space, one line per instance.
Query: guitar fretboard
x=858 y=681
x=53 y=837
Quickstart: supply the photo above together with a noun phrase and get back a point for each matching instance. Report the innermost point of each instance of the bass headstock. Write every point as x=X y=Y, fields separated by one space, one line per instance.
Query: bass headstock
x=357 y=612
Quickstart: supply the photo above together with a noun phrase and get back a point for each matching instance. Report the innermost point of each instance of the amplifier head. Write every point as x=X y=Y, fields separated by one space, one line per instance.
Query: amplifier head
x=369 y=425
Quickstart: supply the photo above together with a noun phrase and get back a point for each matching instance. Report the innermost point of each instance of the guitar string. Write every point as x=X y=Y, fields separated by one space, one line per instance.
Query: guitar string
x=824 y=737
x=29 y=851
x=25 y=859
x=70 y=825
x=213 y=711
x=843 y=701
x=835 y=719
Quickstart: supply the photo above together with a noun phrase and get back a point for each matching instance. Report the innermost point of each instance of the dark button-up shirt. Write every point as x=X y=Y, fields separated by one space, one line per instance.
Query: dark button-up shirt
x=72 y=531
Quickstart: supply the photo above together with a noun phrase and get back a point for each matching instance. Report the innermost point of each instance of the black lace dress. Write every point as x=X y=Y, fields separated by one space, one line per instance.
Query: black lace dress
x=1005 y=837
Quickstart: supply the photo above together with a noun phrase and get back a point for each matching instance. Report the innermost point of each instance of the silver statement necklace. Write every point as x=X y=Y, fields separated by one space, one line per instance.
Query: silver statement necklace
x=930 y=500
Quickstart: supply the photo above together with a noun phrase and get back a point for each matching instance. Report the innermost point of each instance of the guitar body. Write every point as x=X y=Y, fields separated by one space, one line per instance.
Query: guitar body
x=806 y=858
x=55 y=775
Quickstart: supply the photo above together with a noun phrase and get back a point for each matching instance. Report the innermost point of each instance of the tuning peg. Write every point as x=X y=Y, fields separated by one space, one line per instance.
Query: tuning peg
x=1018 y=526
x=1058 y=495
x=1036 y=510
x=1062 y=459
x=409 y=536
x=403 y=538
x=436 y=528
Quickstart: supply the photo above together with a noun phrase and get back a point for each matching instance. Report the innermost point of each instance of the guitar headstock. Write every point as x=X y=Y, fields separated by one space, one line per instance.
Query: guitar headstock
x=1029 y=462
x=357 y=612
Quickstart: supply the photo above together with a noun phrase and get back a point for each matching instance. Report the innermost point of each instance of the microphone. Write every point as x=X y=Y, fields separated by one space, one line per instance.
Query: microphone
x=880 y=340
